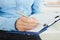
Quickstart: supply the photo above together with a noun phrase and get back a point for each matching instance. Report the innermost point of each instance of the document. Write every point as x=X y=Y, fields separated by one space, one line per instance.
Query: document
x=44 y=19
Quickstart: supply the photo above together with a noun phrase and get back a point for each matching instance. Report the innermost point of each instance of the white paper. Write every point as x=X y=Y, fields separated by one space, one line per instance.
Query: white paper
x=43 y=19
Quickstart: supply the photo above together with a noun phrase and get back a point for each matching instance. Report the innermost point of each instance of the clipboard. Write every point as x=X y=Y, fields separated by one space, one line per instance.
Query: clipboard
x=27 y=35
x=46 y=26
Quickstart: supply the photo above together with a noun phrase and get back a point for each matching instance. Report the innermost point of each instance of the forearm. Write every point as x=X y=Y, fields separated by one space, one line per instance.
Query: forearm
x=7 y=24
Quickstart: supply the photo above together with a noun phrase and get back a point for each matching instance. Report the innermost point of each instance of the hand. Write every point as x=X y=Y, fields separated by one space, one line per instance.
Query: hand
x=24 y=23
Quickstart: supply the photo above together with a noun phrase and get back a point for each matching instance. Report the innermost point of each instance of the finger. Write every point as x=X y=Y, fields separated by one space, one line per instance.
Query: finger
x=22 y=28
x=23 y=23
x=25 y=27
x=29 y=20
x=25 y=19
x=34 y=20
x=28 y=27
x=34 y=25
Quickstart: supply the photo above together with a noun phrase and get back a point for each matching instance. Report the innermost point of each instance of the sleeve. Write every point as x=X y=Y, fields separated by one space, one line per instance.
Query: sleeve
x=36 y=6
x=7 y=20
x=7 y=24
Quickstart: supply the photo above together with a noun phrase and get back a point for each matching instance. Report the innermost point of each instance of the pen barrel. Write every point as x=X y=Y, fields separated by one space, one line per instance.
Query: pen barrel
x=22 y=13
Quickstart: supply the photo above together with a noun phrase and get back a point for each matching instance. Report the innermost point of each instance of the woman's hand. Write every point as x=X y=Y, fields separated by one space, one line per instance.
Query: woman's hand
x=24 y=23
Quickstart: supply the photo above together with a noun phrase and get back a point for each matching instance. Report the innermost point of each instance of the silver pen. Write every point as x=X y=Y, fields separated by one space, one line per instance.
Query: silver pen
x=21 y=13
